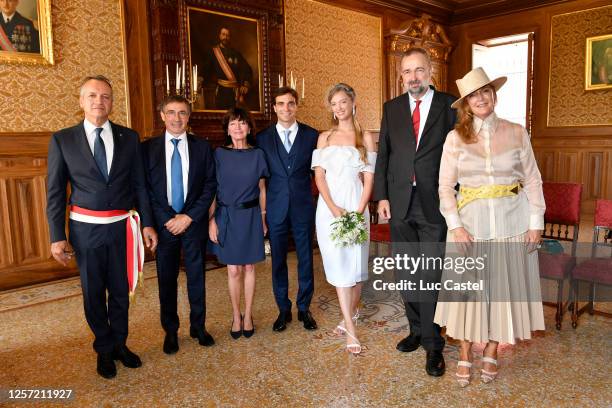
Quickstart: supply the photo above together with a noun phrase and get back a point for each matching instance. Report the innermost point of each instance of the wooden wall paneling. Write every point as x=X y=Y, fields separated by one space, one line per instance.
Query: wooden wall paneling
x=139 y=67
x=7 y=257
x=546 y=164
x=568 y=167
x=593 y=175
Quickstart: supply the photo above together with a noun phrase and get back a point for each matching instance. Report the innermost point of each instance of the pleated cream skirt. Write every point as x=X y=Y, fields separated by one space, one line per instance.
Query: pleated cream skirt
x=509 y=308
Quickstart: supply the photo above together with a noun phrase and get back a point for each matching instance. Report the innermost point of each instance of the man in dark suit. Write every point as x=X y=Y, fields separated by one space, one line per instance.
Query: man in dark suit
x=180 y=172
x=20 y=32
x=288 y=146
x=412 y=133
x=102 y=162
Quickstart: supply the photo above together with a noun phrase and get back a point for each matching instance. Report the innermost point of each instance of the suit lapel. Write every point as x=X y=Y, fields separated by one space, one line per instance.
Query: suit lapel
x=404 y=126
x=276 y=147
x=81 y=140
x=158 y=155
x=192 y=168
x=297 y=148
x=117 y=140
x=432 y=117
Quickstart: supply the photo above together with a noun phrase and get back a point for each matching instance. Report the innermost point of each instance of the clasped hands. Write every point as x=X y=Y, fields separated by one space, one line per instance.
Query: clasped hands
x=464 y=239
x=178 y=224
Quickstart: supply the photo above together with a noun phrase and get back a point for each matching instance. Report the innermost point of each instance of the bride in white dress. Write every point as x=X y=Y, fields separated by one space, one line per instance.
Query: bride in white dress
x=344 y=172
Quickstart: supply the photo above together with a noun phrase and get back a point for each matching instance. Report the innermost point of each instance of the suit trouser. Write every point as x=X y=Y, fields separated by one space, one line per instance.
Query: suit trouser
x=102 y=269
x=279 y=241
x=168 y=261
x=418 y=238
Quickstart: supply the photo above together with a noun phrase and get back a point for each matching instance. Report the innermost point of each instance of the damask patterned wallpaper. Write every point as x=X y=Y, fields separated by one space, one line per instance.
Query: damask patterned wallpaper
x=327 y=44
x=569 y=104
x=87 y=40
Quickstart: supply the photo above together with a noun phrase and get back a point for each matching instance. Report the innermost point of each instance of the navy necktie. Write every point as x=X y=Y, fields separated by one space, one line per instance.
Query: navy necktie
x=100 y=154
x=176 y=176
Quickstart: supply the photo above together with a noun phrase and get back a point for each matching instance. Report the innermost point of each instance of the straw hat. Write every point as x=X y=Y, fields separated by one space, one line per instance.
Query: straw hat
x=474 y=80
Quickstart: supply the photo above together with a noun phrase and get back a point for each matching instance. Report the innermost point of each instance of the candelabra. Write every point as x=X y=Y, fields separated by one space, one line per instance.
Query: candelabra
x=180 y=84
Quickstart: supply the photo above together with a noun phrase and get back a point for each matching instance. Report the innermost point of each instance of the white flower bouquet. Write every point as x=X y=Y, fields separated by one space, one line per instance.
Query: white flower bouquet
x=349 y=229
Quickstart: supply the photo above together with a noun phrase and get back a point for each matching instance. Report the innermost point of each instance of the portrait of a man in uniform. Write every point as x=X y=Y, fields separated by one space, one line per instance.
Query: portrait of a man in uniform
x=18 y=26
x=226 y=50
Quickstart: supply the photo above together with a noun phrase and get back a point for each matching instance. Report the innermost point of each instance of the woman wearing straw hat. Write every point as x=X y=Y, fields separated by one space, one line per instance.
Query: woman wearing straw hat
x=496 y=218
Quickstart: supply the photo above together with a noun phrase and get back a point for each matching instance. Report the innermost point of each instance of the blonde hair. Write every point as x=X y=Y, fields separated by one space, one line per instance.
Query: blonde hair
x=347 y=89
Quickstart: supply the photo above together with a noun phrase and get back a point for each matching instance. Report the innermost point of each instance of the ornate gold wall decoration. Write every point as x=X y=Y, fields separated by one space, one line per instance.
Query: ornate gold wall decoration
x=88 y=39
x=328 y=44
x=568 y=102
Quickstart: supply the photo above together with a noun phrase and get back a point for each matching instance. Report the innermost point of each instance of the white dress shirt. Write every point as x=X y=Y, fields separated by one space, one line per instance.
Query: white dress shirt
x=423 y=109
x=7 y=19
x=107 y=138
x=281 y=132
x=183 y=149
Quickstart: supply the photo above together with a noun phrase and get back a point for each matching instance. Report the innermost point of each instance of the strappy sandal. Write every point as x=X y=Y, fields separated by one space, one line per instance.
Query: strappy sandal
x=341 y=329
x=353 y=348
x=488 y=376
x=464 y=379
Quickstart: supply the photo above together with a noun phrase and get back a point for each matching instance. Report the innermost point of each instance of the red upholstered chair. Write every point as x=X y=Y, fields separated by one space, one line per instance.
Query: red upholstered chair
x=562 y=220
x=595 y=270
x=380 y=234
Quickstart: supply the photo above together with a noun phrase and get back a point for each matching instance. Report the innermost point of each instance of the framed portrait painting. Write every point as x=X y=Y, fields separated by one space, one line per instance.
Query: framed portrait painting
x=227 y=50
x=598 y=70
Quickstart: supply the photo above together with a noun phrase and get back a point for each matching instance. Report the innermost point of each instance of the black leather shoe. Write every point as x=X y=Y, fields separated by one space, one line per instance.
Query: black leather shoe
x=435 y=363
x=309 y=321
x=408 y=344
x=204 y=338
x=248 y=333
x=129 y=359
x=281 y=321
x=171 y=343
x=106 y=365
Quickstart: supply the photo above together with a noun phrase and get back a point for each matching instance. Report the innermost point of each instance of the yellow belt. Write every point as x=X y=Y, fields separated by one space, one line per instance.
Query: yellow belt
x=469 y=194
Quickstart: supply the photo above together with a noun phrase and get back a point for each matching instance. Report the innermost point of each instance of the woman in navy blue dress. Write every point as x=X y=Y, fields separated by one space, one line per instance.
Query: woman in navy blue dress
x=238 y=225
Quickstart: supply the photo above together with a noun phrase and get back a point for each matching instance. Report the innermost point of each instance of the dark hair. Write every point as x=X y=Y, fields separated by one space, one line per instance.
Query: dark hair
x=174 y=98
x=101 y=78
x=239 y=114
x=222 y=28
x=284 y=90
x=417 y=50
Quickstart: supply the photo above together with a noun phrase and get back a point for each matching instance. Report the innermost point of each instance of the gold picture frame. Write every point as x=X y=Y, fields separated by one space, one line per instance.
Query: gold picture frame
x=20 y=45
x=203 y=30
x=598 y=63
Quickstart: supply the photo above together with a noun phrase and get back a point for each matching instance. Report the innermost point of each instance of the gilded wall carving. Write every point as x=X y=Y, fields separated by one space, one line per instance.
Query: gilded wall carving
x=568 y=103
x=87 y=36
x=327 y=44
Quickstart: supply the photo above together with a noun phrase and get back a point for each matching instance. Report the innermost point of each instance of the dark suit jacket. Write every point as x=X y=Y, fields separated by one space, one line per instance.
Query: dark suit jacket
x=201 y=183
x=289 y=190
x=398 y=160
x=70 y=160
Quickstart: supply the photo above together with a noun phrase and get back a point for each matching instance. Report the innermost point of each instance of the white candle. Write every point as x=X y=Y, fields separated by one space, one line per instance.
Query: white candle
x=279 y=81
x=282 y=79
x=177 y=81
x=291 y=80
x=167 y=80
x=303 y=92
x=183 y=74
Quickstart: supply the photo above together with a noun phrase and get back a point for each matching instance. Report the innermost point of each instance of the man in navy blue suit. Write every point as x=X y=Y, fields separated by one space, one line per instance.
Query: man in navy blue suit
x=101 y=160
x=180 y=172
x=288 y=146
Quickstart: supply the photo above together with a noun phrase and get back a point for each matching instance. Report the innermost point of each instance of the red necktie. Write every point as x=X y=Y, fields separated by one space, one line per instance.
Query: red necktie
x=416 y=121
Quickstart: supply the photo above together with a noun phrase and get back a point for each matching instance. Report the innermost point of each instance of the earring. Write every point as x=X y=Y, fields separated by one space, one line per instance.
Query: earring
x=354 y=111
x=334 y=116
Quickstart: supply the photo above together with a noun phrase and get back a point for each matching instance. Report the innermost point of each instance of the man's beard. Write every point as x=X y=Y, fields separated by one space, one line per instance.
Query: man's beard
x=417 y=91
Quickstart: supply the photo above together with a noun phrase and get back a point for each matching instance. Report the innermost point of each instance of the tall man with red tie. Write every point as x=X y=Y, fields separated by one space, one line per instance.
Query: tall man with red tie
x=103 y=164
x=412 y=132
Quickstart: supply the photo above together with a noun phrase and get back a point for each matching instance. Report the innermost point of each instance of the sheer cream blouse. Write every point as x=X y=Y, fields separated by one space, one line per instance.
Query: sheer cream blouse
x=502 y=155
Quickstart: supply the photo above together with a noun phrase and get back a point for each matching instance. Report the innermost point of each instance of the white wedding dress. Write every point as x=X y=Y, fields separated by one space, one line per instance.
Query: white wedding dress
x=344 y=267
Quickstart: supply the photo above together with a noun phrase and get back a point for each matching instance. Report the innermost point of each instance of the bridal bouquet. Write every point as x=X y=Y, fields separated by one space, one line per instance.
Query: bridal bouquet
x=349 y=229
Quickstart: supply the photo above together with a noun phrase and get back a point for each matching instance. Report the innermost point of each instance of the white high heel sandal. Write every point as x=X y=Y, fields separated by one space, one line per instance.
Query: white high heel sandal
x=464 y=379
x=488 y=376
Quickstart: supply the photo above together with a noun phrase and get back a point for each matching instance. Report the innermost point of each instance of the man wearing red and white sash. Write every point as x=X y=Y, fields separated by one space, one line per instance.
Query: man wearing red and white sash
x=103 y=164
x=226 y=68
